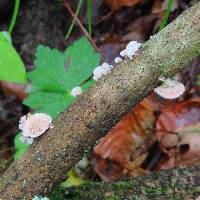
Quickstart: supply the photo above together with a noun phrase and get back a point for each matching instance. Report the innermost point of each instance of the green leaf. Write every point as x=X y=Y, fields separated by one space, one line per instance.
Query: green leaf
x=50 y=74
x=11 y=66
x=57 y=73
x=20 y=147
x=51 y=103
x=87 y=84
x=81 y=61
x=5 y=36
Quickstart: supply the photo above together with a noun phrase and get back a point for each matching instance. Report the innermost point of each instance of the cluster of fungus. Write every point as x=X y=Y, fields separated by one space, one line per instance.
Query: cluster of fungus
x=105 y=68
x=101 y=70
x=130 y=50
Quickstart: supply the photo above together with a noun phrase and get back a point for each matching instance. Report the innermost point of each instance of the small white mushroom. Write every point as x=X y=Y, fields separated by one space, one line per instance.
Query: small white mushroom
x=117 y=60
x=105 y=67
x=123 y=53
x=34 y=125
x=76 y=91
x=99 y=71
x=170 y=89
x=131 y=49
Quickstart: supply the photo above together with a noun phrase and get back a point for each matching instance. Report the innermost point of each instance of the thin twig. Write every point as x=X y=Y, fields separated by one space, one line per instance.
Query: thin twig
x=89 y=7
x=67 y=6
x=73 y=21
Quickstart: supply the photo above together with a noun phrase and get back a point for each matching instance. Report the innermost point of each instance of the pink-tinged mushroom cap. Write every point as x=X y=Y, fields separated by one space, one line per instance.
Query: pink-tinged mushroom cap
x=171 y=91
x=76 y=91
x=35 y=125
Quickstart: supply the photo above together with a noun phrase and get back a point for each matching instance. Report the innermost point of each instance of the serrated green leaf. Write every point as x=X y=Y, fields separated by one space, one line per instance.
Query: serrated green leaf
x=49 y=102
x=11 y=66
x=81 y=61
x=50 y=74
x=57 y=73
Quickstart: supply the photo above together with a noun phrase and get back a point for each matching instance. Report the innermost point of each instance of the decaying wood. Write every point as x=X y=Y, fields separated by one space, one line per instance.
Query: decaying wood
x=173 y=184
x=89 y=118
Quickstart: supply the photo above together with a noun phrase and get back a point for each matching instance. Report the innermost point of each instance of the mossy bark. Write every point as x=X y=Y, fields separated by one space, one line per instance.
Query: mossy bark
x=93 y=114
x=174 y=184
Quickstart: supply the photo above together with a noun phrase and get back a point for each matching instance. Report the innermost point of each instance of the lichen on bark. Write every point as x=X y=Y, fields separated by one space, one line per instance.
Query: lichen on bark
x=177 y=184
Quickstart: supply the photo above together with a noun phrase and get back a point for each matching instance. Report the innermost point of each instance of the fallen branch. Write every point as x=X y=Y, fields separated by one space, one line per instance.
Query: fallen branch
x=93 y=114
x=170 y=184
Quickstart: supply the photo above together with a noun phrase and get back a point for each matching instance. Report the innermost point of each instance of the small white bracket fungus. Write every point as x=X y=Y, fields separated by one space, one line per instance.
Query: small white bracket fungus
x=76 y=91
x=123 y=53
x=170 y=89
x=99 y=71
x=34 y=125
x=131 y=49
x=117 y=60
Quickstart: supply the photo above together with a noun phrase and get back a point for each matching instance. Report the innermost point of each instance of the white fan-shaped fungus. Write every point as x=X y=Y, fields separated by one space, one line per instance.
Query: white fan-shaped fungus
x=130 y=50
x=117 y=60
x=123 y=53
x=76 y=91
x=99 y=71
x=34 y=125
x=170 y=89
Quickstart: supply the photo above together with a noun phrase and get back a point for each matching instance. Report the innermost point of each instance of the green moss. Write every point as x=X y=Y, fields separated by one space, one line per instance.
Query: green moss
x=57 y=194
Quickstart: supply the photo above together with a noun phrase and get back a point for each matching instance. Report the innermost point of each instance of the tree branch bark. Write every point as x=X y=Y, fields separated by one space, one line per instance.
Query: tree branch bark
x=93 y=114
x=177 y=184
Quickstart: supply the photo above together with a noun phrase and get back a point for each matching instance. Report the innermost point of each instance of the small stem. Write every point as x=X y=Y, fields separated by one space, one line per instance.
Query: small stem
x=89 y=7
x=73 y=21
x=166 y=16
x=67 y=6
x=14 y=17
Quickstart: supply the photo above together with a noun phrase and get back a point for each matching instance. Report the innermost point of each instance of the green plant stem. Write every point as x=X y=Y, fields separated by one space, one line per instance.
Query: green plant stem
x=166 y=16
x=14 y=17
x=73 y=21
x=81 y=26
x=89 y=7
